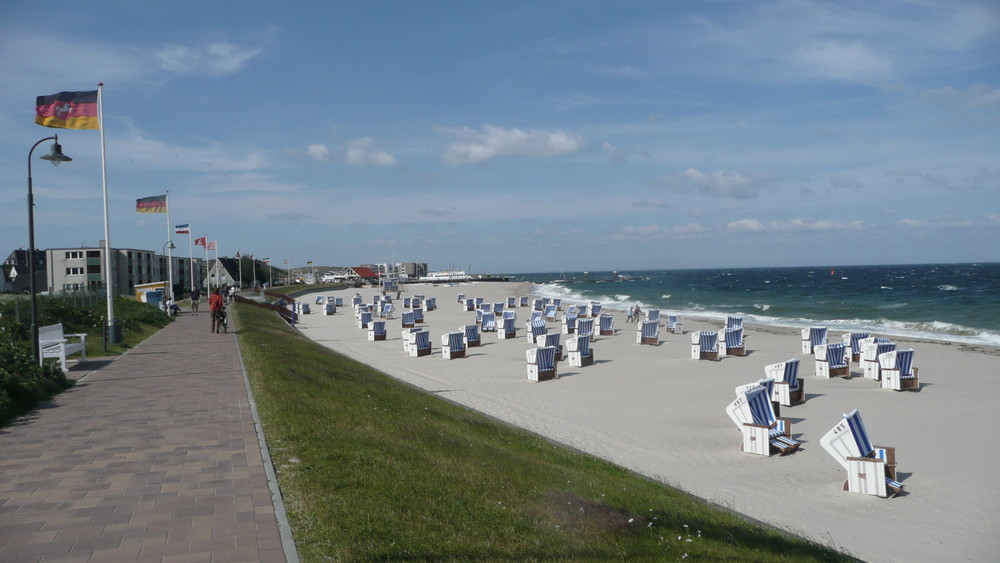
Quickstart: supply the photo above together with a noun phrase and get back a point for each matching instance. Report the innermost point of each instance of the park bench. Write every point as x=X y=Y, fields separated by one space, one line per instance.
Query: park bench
x=53 y=343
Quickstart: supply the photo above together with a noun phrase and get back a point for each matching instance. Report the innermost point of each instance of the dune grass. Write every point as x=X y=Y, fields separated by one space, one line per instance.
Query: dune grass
x=373 y=469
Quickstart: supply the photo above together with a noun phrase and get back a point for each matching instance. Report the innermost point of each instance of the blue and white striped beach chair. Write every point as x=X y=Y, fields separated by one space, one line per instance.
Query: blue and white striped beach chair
x=489 y=322
x=407 y=341
x=585 y=327
x=898 y=372
x=479 y=302
x=406 y=319
x=364 y=319
x=329 y=308
x=552 y=339
x=704 y=345
x=557 y=301
x=538 y=304
x=498 y=308
x=550 y=313
x=579 y=351
x=648 y=332
x=734 y=321
x=812 y=337
x=674 y=324
x=871 y=349
x=407 y=302
x=453 y=345
x=461 y=298
x=731 y=342
x=768 y=385
x=852 y=341
x=595 y=309
x=386 y=312
x=470 y=304
x=511 y=302
x=507 y=328
x=541 y=363
x=471 y=335
x=788 y=388
x=831 y=360
x=430 y=303
x=376 y=330
x=606 y=325
x=653 y=315
x=418 y=315
x=522 y=301
x=766 y=433
x=569 y=323
x=870 y=469
x=420 y=343
x=534 y=328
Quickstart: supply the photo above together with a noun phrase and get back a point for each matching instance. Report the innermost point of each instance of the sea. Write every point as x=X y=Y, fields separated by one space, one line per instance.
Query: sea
x=948 y=302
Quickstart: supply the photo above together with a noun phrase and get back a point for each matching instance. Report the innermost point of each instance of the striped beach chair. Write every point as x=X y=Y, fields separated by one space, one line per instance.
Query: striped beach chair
x=471 y=335
x=768 y=384
x=541 y=363
x=538 y=304
x=552 y=339
x=831 y=360
x=407 y=302
x=569 y=323
x=507 y=328
x=461 y=298
x=595 y=309
x=557 y=301
x=653 y=315
x=606 y=325
x=788 y=388
x=479 y=302
x=550 y=313
x=430 y=303
x=418 y=315
x=674 y=324
x=329 y=308
x=355 y=301
x=498 y=308
x=734 y=321
x=511 y=302
x=648 y=332
x=420 y=343
x=405 y=333
x=812 y=337
x=534 y=328
x=406 y=319
x=898 y=372
x=386 y=312
x=376 y=330
x=871 y=349
x=522 y=301
x=731 y=342
x=453 y=345
x=852 y=341
x=704 y=345
x=364 y=319
x=870 y=469
x=765 y=433
x=585 y=327
x=470 y=304
x=489 y=322
x=580 y=353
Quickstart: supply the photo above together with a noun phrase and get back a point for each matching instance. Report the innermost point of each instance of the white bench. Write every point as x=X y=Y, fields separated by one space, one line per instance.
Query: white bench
x=53 y=343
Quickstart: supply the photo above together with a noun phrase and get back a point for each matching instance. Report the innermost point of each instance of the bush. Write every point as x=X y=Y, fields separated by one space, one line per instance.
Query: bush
x=24 y=383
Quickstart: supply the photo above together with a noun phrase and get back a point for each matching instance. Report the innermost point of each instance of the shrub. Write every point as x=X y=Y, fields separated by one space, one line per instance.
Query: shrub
x=24 y=383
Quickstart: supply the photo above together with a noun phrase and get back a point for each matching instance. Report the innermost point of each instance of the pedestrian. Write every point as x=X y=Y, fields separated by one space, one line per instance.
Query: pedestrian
x=215 y=308
x=631 y=315
x=232 y=294
x=195 y=300
x=638 y=312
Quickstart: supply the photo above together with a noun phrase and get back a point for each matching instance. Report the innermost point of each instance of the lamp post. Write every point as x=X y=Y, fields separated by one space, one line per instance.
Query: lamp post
x=169 y=244
x=55 y=156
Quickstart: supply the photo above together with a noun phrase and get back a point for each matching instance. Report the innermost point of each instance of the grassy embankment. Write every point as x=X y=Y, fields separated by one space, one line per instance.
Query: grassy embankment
x=373 y=469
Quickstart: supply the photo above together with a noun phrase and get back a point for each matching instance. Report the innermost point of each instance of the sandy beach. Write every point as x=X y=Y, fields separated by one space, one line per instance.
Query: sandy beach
x=654 y=410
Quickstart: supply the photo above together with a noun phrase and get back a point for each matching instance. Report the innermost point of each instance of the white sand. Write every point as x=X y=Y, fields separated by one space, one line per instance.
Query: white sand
x=655 y=411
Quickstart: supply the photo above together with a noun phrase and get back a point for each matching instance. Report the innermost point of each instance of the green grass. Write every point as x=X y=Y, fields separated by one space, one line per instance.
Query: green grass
x=374 y=469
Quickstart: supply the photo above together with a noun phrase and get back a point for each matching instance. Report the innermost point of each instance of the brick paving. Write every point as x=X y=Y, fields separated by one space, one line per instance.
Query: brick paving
x=151 y=457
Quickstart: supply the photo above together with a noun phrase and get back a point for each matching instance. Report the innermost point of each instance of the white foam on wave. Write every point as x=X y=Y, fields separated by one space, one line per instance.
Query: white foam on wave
x=947 y=287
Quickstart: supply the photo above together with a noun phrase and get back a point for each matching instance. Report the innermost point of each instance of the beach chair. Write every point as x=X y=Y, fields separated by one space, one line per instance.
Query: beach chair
x=355 y=301
x=557 y=301
x=320 y=300
x=405 y=333
x=305 y=308
x=606 y=325
x=552 y=339
x=453 y=345
x=768 y=384
x=831 y=360
x=470 y=304
x=376 y=330
x=653 y=315
x=329 y=308
x=461 y=299
x=852 y=341
x=674 y=324
x=648 y=332
x=522 y=301
x=406 y=319
x=507 y=328
x=538 y=304
x=764 y=433
x=533 y=328
x=386 y=312
x=498 y=308
x=585 y=327
x=734 y=321
x=704 y=345
x=898 y=372
x=571 y=310
x=871 y=349
x=407 y=302
x=338 y=301
x=595 y=309
x=471 y=335
x=418 y=315
x=489 y=322
x=812 y=337
x=550 y=313
x=731 y=342
x=511 y=302
x=420 y=344
x=788 y=388
x=541 y=363
x=430 y=303
x=479 y=302
x=870 y=469
x=580 y=353
x=569 y=323
x=486 y=308
x=364 y=319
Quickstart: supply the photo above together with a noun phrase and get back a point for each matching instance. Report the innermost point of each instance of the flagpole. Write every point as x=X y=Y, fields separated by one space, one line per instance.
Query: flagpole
x=170 y=257
x=190 y=255
x=112 y=335
x=208 y=277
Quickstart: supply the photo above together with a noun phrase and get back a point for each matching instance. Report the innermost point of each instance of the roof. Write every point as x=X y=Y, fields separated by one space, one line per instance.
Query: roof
x=364 y=272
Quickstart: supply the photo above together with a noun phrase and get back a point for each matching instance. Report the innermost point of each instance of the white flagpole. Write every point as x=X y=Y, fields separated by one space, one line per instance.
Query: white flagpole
x=208 y=274
x=190 y=254
x=111 y=335
x=170 y=256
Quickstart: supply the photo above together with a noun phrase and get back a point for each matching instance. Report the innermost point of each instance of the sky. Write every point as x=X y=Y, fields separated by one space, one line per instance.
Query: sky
x=503 y=137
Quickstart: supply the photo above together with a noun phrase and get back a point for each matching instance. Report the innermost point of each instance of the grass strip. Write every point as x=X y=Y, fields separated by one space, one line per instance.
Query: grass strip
x=373 y=469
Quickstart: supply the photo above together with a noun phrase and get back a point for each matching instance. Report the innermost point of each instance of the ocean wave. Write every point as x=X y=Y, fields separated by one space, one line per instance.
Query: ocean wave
x=947 y=287
x=893 y=306
x=761 y=306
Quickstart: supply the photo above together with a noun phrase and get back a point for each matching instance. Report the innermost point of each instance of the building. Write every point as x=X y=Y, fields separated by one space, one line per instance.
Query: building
x=411 y=270
x=76 y=269
x=16 y=269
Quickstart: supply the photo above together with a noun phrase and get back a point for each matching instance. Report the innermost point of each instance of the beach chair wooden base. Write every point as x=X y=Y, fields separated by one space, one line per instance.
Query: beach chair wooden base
x=407 y=325
x=651 y=340
x=473 y=343
x=423 y=352
x=736 y=351
x=453 y=355
x=824 y=370
x=708 y=356
x=540 y=375
x=607 y=332
x=375 y=337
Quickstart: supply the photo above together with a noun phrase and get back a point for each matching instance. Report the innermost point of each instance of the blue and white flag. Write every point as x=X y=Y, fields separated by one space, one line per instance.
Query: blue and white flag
x=184 y=229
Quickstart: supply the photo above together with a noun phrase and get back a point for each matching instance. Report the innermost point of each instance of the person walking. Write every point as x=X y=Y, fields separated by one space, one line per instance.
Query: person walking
x=215 y=308
x=631 y=315
x=195 y=300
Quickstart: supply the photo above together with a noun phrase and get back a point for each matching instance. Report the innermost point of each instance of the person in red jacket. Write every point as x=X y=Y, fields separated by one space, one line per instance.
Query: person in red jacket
x=215 y=308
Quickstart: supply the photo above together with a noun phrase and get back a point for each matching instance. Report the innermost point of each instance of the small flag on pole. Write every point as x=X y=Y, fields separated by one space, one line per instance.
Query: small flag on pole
x=237 y=254
x=68 y=110
x=309 y=263
x=184 y=229
x=266 y=260
x=212 y=245
x=152 y=204
x=201 y=241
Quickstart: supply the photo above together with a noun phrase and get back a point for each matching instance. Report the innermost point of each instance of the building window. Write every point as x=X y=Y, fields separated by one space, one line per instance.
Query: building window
x=93 y=254
x=74 y=271
x=71 y=287
x=74 y=255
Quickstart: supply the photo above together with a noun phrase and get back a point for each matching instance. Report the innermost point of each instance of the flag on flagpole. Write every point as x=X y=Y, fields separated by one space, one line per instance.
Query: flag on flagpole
x=237 y=254
x=184 y=229
x=201 y=241
x=309 y=263
x=68 y=110
x=211 y=245
x=266 y=260
x=152 y=204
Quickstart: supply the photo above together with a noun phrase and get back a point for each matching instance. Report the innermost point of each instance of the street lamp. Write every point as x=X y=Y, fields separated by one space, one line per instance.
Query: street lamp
x=56 y=157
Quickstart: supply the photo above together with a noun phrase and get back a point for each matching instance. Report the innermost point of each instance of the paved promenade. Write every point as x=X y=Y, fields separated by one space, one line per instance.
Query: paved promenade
x=151 y=457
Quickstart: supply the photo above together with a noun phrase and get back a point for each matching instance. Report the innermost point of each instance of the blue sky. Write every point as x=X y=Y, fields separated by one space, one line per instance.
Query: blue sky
x=517 y=136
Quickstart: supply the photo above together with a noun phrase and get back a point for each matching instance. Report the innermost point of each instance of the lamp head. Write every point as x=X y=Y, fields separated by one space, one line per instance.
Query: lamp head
x=56 y=156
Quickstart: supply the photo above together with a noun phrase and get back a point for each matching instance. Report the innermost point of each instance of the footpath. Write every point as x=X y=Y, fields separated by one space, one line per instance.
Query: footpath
x=153 y=456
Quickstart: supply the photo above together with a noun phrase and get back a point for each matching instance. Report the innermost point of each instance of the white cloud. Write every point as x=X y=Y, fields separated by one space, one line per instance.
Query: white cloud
x=935 y=224
x=736 y=184
x=216 y=59
x=359 y=152
x=493 y=142
x=756 y=226
x=319 y=153
x=837 y=60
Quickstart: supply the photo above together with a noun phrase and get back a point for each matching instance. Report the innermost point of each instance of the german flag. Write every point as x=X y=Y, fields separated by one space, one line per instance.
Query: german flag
x=68 y=110
x=152 y=204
